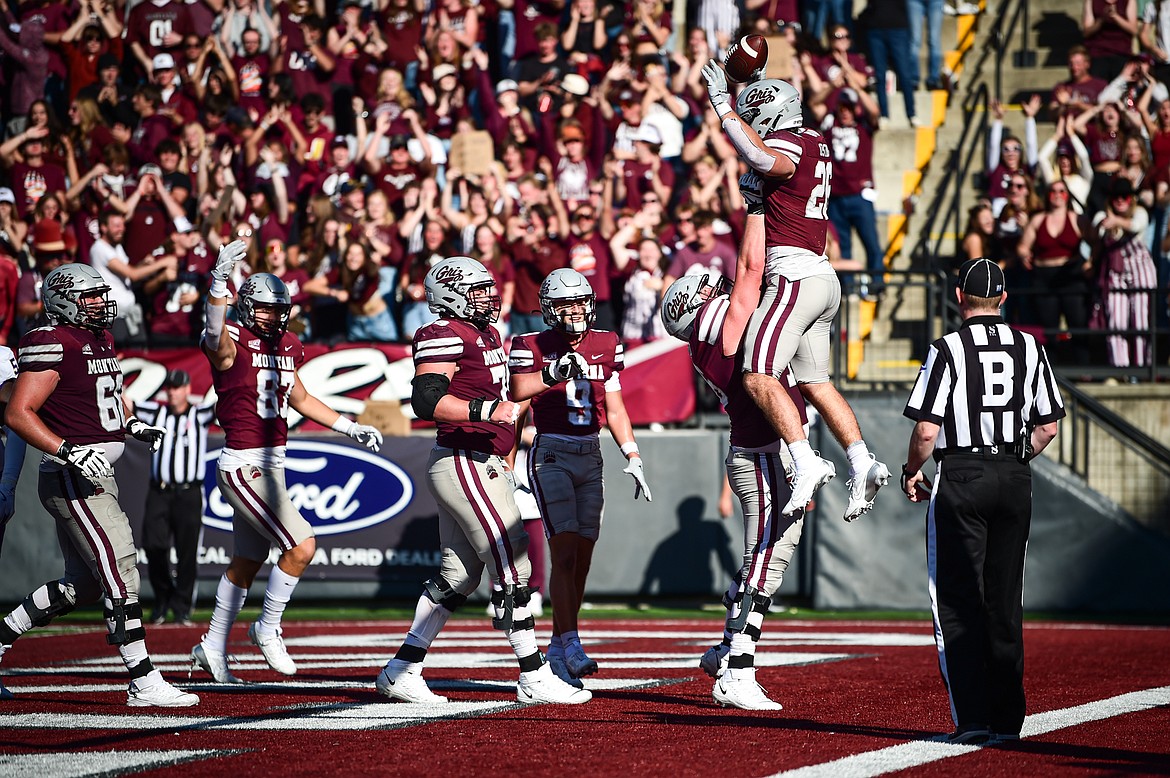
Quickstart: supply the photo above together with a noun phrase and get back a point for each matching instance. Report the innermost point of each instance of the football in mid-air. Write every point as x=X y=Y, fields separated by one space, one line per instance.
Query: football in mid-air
x=746 y=59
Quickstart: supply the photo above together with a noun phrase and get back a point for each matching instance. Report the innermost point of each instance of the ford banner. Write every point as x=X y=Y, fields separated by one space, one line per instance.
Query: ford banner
x=373 y=516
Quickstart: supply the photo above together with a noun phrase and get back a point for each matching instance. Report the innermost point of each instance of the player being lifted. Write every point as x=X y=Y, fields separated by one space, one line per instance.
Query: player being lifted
x=461 y=382
x=703 y=311
x=68 y=403
x=254 y=371
x=791 y=327
x=565 y=465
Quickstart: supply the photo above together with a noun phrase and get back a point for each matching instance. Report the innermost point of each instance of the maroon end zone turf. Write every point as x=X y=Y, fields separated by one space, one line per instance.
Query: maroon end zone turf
x=866 y=691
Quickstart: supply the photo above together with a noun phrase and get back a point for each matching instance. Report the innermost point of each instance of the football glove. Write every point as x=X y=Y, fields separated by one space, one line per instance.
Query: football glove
x=569 y=366
x=229 y=255
x=641 y=488
x=716 y=84
x=148 y=434
x=89 y=460
x=751 y=188
x=368 y=436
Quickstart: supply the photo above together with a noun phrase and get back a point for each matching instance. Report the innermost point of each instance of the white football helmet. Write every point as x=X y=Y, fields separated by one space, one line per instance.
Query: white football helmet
x=769 y=105
x=684 y=298
x=61 y=293
x=562 y=288
x=461 y=287
x=265 y=290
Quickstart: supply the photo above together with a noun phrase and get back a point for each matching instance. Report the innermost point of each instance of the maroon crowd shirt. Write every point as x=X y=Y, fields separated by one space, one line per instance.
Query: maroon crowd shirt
x=253 y=393
x=852 y=149
x=151 y=23
x=575 y=407
x=86 y=405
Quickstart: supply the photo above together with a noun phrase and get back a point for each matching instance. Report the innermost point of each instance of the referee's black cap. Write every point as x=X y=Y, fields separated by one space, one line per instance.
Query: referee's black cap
x=177 y=378
x=981 y=278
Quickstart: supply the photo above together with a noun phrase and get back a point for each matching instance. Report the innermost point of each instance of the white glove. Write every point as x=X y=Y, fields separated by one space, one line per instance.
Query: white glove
x=641 y=488
x=570 y=365
x=229 y=255
x=7 y=503
x=751 y=188
x=148 y=434
x=716 y=84
x=368 y=436
x=89 y=460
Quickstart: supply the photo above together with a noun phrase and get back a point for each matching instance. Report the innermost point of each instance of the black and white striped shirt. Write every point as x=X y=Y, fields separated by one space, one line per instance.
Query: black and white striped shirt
x=180 y=460
x=983 y=384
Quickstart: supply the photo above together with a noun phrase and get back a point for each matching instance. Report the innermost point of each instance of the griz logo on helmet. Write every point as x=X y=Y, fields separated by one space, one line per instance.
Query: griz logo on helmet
x=61 y=283
x=673 y=307
x=449 y=276
x=755 y=99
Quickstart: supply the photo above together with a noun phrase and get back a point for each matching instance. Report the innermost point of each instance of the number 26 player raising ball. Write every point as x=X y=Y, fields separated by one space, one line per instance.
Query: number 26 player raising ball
x=791 y=327
x=461 y=383
x=254 y=370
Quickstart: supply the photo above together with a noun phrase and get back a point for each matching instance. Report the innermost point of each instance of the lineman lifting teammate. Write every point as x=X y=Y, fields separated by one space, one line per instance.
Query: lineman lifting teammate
x=570 y=372
x=702 y=310
x=254 y=371
x=791 y=327
x=70 y=383
x=461 y=383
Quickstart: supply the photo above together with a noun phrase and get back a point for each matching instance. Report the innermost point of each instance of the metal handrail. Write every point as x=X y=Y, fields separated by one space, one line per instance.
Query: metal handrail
x=1079 y=402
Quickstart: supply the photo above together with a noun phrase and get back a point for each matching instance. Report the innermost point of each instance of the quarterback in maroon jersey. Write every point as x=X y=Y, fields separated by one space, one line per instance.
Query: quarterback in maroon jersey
x=68 y=403
x=461 y=383
x=254 y=371
x=702 y=310
x=791 y=328
x=564 y=466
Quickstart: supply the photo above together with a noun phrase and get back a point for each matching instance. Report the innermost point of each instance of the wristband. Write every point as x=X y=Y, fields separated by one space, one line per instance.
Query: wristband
x=723 y=109
x=219 y=287
x=475 y=409
x=64 y=450
x=547 y=376
x=343 y=424
x=630 y=448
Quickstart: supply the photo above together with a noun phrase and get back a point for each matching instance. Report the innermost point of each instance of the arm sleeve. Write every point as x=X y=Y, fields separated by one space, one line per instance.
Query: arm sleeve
x=216 y=315
x=759 y=159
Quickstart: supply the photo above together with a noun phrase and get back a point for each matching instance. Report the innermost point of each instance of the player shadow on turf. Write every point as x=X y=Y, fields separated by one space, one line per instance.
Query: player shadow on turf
x=681 y=564
x=401 y=576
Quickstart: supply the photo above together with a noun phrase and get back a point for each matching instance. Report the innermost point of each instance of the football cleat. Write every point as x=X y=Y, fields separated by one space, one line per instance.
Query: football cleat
x=400 y=681
x=272 y=647
x=159 y=695
x=971 y=735
x=743 y=693
x=557 y=665
x=863 y=489
x=714 y=660
x=213 y=662
x=541 y=686
x=578 y=662
x=806 y=482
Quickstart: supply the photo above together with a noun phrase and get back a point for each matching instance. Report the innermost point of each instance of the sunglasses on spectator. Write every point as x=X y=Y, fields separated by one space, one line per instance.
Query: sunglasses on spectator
x=650 y=200
x=1015 y=185
x=1012 y=147
x=840 y=36
x=684 y=219
x=581 y=217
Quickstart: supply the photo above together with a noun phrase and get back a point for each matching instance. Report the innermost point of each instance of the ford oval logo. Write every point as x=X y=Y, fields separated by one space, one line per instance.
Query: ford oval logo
x=336 y=488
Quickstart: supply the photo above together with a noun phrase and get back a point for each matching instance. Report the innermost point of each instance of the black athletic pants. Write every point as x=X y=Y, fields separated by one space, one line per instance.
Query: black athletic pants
x=172 y=512
x=977 y=534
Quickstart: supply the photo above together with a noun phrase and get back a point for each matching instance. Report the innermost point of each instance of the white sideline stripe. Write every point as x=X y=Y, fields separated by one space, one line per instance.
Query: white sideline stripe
x=776 y=635
x=280 y=687
x=920 y=752
x=383 y=714
x=180 y=662
x=75 y=764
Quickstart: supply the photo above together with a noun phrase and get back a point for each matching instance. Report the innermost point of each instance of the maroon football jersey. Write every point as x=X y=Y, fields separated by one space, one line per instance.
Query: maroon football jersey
x=253 y=393
x=852 y=155
x=797 y=210
x=86 y=405
x=481 y=371
x=575 y=407
x=749 y=427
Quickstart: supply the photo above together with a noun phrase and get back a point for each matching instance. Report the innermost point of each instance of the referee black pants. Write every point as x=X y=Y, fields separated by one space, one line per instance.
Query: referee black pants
x=976 y=538
x=173 y=513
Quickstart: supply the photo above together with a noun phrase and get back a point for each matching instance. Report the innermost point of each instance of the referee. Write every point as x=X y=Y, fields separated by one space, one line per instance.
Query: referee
x=174 y=502
x=985 y=403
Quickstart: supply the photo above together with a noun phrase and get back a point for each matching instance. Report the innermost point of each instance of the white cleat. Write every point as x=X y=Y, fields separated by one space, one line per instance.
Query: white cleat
x=398 y=682
x=578 y=662
x=742 y=693
x=805 y=483
x=214 y=663
x=863 y=490
x=159 y=695
x=272 y=647
x=541 y=686
x=557 y=665
x=714 y=660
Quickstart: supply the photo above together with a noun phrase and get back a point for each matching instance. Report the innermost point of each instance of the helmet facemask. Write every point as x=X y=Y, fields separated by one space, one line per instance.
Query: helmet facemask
x=574 y=315
x=272 y=326
x=483 y=304
x=95 y=311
